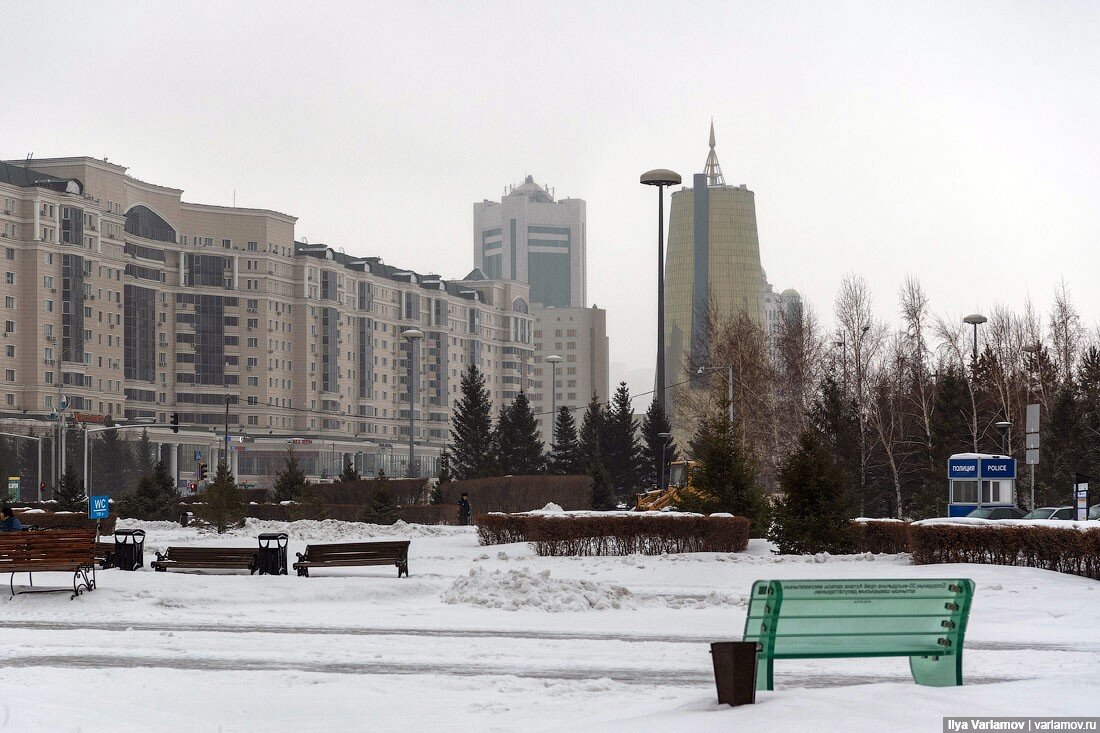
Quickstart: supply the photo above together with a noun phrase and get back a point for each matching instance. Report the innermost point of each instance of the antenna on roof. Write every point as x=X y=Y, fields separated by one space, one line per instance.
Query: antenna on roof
x=28 y=160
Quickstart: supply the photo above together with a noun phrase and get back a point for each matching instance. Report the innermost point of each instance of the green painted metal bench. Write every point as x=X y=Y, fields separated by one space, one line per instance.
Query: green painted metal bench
x=923 y=619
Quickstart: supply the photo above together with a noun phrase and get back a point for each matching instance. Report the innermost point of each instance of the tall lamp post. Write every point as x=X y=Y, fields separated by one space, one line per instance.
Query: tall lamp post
x=664 y=445
x=1003 y=426
x=553 y=360
x=660 y=177
x=975 y=320
x=413 y=335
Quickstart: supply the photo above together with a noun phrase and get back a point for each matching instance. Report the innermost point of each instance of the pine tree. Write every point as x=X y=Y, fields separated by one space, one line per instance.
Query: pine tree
x=592 y=431
x=222 y=506
x=444 y=478
x=622 y=454
x=111 y=467
x=472 y=455
x=656 y=447
x=155 y=497
x=725 y=480
x=520 y=446
x=815 y=512
x=290 y=482
x=566 y=458
x=382 y=507
x=349 y=473
x=70 y=494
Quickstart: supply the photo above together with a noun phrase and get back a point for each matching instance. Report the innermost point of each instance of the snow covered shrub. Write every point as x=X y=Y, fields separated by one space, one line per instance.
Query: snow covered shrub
x=1061 y=549
x=888 y=537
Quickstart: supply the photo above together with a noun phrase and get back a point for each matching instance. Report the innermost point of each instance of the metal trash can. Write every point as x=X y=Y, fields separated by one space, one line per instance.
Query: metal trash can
x=185 y=518
x=735 y=671
x=273 y=553
x=129 y=549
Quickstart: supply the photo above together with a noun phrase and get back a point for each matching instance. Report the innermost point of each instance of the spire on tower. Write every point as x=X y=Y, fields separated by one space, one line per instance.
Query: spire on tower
x=713 y=169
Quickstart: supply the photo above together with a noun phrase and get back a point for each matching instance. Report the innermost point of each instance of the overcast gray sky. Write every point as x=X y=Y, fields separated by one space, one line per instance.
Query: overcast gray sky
x=958 y=142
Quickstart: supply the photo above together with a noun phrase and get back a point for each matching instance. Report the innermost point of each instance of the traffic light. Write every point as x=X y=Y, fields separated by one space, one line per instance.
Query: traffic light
x=202 y=472
x=175 y=422
x=193 y=487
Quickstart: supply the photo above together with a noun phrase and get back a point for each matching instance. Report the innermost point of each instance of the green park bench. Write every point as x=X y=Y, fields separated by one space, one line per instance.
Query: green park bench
x=922 y=619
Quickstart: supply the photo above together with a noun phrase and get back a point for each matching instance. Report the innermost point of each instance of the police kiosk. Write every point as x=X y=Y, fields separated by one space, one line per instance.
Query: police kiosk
x=996 y=474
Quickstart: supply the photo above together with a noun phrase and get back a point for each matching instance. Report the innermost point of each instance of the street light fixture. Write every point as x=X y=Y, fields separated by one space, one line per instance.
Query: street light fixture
x=664 y=444
x=1003 y=426
x=413 y=335
x=553 y=360
x=660 y=177
x=975 y=320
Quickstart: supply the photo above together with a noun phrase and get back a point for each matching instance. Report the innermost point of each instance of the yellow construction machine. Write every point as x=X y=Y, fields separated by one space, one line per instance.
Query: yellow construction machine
x=679 y=477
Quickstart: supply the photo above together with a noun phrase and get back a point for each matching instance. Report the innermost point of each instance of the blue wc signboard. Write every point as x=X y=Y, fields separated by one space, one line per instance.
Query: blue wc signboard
x=99 y=507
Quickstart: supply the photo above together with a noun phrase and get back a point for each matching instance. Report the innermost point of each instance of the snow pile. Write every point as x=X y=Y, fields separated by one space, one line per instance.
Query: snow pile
x=513 y=590
x=976 y=522
x=305 y=530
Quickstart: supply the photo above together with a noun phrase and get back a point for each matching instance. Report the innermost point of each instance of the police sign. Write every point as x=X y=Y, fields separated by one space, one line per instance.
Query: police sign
x=962 y=468
x=99 y=507
x=998 y=467
x=986 y=468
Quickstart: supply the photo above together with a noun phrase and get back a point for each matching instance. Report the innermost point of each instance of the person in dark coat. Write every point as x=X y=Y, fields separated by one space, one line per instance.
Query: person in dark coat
x=464 y=510
x=8 y=521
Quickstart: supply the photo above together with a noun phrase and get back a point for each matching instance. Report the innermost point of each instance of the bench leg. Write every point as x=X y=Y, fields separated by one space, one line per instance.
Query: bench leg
x=941 y=671
x=764 y=669
x=403 y=567
x=303 y=572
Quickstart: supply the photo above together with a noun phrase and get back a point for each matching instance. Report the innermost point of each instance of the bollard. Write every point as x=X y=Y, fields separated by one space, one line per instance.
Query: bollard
x=735 y=671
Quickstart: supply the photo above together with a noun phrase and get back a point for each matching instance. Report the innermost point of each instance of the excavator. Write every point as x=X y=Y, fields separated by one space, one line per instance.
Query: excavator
x=679 y=477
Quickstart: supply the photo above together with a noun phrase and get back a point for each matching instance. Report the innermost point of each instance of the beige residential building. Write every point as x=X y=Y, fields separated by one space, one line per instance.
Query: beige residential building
x=579 y=337
x=135 y=304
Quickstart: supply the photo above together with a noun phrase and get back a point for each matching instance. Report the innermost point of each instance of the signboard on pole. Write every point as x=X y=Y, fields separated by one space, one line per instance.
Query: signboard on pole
x=1032 y=419
x=13 y=488
x=99 y=507
x=1082 y=503
x=1032 y=457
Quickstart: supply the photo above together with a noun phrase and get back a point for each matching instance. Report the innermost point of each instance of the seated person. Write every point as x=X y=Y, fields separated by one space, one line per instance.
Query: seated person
x=8 y=521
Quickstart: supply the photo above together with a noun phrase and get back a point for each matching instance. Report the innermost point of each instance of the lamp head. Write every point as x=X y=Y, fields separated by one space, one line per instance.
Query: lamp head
x=975 y=319
x=660 y=177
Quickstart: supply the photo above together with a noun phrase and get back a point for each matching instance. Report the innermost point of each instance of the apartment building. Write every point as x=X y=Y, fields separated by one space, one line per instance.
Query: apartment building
x=133 y=303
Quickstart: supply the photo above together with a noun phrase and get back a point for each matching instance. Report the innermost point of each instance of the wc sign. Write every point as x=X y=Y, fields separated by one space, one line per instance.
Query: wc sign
x=99 y=507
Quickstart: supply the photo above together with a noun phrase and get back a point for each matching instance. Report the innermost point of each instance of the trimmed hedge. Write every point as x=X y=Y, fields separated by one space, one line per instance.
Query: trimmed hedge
x=414 y=514
x=49 y=520
x=1049 y=548
x=616 y=534
x=880 y=537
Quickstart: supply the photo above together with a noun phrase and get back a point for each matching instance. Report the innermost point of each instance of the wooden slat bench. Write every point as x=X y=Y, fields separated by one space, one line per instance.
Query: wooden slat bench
x=349 y=554
x=50 y=551
x=208 y=558
x=922 y=619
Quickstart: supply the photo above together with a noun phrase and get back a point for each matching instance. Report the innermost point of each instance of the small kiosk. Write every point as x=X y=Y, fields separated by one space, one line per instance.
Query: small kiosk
x=995 y=473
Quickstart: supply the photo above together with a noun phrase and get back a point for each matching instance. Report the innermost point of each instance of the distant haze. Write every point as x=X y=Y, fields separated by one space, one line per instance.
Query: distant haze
x=957 y=142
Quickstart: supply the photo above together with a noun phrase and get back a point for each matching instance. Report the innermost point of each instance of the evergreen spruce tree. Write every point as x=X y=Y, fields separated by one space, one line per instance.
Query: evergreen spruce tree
x=382 y=506
x=520 y=446
x=349 y=473
x=592 y=431
x=155 y=497
x=222 y=506
x=143 y=454
x=602 y=492
x=111 y=463
x=444 y=478
x=656 y=447
x=472 y=454
x=1063 y=451
x=70 y=494
x=566 y=459
x=725 y=480
x=290 y=482
x=622 y=454
x=815 y=512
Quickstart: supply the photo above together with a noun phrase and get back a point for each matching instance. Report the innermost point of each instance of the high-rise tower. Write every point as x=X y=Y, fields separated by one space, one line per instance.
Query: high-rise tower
x=713 y=263
x=531 y=237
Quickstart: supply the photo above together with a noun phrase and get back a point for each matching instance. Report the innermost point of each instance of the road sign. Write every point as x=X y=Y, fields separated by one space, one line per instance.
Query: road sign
x=1031 y=440
x=198 y=455
x=1082 y=501
x=64 y=403
x=99 y=507
x=1032 y=457
x=13 y=488
x=1032 y=418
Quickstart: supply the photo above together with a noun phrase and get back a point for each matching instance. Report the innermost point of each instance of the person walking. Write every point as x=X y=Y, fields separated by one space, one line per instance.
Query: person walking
x=464 y=510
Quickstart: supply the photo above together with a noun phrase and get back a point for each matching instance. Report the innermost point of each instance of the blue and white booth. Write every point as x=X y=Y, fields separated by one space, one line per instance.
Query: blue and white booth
x=996 y=475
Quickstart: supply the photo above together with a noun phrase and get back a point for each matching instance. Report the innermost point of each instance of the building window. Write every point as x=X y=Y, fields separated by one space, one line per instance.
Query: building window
x=9 y=375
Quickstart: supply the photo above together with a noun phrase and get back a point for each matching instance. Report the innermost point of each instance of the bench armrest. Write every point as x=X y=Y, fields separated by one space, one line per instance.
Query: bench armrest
x=302 y=556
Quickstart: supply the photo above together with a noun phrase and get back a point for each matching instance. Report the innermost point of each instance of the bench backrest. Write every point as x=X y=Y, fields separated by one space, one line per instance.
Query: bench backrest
x=185 y=554
x=349 y=550
x=858 y=618
x=65 y=546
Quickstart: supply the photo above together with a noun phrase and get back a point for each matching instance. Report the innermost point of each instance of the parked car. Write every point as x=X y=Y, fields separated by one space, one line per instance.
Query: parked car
x=1094 y=511
x=1051 y=512
x=997 y=512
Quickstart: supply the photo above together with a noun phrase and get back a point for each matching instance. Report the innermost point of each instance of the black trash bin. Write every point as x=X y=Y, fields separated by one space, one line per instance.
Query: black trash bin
x=129 y=549
x=735 y=671
x=273 y=553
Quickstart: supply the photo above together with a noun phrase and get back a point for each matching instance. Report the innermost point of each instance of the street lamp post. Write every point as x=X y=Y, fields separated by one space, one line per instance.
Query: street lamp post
x=413 y=335
x=664 y=445
x=975 y=320
x=553 y=360
x=660 y=177
x=1004 y=426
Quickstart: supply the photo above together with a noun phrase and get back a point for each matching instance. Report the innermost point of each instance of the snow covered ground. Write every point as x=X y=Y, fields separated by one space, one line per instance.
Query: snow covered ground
x=498 y=639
